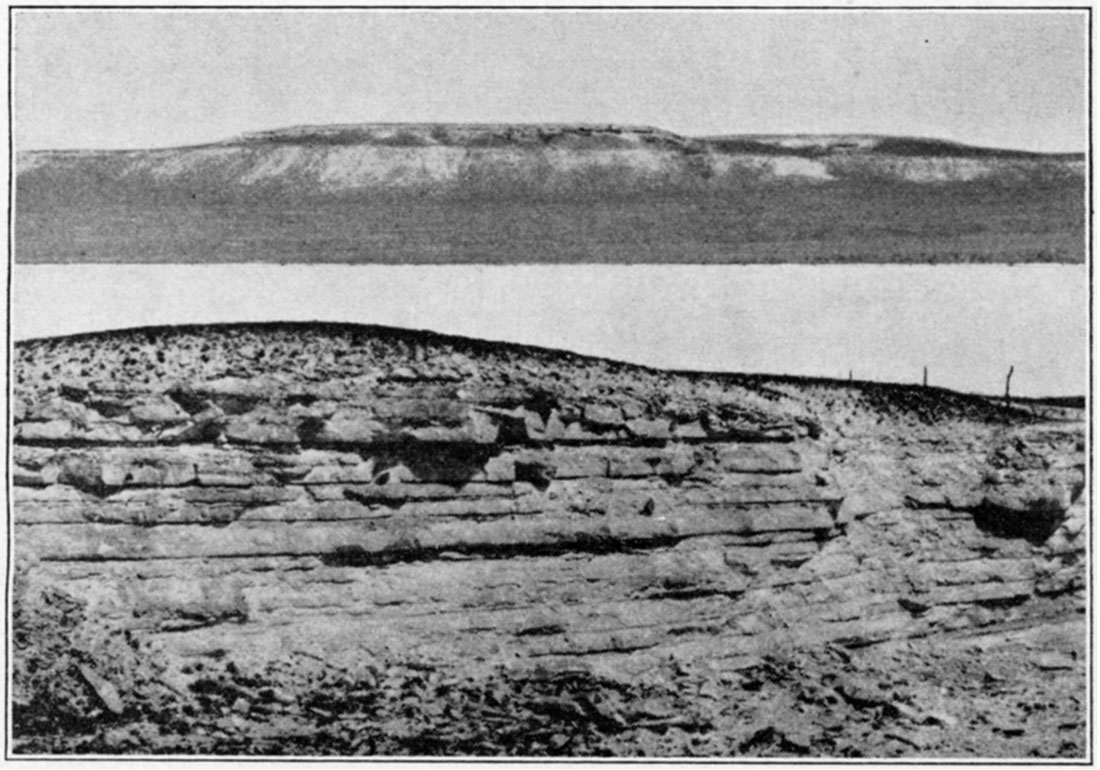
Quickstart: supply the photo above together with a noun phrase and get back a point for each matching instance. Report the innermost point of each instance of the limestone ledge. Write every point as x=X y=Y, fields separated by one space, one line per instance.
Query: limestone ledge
x=253 y=492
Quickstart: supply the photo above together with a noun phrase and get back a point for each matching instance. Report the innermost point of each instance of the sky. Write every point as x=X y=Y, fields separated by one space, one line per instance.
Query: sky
x=134 y=79
x=966 y=323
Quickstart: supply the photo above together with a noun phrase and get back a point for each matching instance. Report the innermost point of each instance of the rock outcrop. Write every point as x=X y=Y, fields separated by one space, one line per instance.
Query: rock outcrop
x=539 y=159
x=254 y=508
x=501 y=193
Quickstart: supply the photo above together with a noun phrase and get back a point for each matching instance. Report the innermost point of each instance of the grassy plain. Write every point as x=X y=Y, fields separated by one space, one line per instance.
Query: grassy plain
x=799 y=223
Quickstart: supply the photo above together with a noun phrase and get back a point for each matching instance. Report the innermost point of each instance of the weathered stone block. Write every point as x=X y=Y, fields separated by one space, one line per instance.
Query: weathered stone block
x=61 y=409
x=115 y=433
x=650 y=430
x=142 y=476
x=759 y=458
x=22 y=477
x=176 y=474
x=351 y=427
x=224 y=480
x=555 y=428
x=91 y=475
x=690 y=431
x=157 y=410
x=578 y=463
x=247 y=429
x=603 y=416
x=677 y=460
x=234 y=395
x=205 y=425
x=631 y=463
x=500 y=468
x=52 y=430
x=332 y=474
x=859 y=504
x=926 y=498
x=576 y=434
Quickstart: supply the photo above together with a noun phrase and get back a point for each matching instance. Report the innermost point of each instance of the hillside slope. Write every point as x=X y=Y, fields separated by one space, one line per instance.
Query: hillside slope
x=462 y=193
x=332 y=539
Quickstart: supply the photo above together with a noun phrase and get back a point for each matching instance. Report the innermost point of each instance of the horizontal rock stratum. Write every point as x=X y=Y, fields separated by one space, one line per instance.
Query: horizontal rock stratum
x=558 y=193
x=314 y=160
x=311 y=538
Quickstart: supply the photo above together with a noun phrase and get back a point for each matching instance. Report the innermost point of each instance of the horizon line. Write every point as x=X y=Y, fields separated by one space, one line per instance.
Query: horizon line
x=260 y=134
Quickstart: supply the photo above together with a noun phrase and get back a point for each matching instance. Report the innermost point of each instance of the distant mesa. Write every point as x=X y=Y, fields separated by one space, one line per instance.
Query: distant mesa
x=653 y=196
x=394 y=155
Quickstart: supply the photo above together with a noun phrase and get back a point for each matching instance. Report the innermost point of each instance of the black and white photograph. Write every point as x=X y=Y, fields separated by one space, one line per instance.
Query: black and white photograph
x=630 y=384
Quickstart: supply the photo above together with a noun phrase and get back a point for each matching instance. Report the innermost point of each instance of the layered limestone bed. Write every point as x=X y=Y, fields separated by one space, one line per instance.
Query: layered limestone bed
x=295 y=538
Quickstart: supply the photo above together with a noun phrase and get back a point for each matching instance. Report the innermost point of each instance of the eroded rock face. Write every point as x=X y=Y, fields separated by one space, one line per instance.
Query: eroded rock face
x=235 y=498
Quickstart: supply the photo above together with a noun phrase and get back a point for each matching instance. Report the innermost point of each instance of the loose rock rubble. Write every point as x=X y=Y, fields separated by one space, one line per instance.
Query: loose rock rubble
x=322 y=539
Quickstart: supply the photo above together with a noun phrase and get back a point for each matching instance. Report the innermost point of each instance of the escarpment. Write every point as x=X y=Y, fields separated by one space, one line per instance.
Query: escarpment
x=293 y=526
x=452 y=193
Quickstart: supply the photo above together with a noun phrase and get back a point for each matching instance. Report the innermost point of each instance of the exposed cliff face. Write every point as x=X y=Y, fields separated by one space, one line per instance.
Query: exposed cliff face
x=300 y=538
x=446 y=159
x=343 y=193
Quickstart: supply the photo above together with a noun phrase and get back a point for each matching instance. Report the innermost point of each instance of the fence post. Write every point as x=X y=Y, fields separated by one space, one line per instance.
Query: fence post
x=1008 y=385
x=926 y=376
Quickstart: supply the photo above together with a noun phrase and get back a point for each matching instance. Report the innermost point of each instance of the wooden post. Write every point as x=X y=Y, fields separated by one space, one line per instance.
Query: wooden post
x=926 y=376
x=1008 y=384
x=849 y=375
